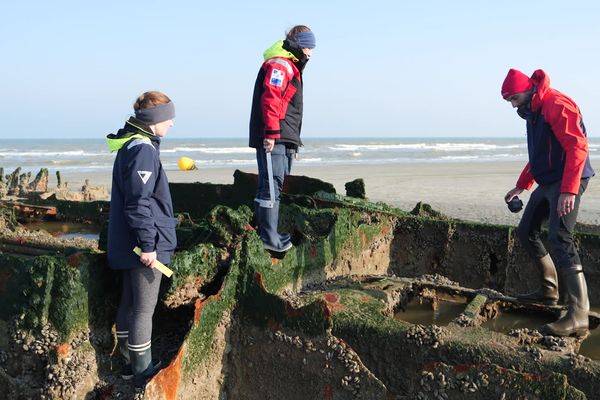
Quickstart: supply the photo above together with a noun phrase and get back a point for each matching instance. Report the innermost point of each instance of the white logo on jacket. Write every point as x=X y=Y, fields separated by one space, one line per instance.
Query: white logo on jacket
x=144 y=175
x=277 y=77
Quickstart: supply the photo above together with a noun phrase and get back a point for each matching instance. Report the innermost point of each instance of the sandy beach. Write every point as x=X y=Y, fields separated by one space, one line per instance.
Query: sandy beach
x=469 y=191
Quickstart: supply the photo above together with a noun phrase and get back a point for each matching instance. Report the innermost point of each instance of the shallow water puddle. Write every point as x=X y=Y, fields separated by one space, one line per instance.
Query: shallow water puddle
x=66 y=230
x=519 y=319
x=516 y=319
x=427 y=312
x=591 y=345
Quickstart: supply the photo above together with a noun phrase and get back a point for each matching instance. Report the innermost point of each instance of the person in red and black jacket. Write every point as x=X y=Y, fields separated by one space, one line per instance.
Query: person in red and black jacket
x=275 y=124
x=559 y=163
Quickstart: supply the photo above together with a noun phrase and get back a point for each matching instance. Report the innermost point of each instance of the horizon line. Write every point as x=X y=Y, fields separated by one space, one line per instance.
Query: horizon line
x=304 y=137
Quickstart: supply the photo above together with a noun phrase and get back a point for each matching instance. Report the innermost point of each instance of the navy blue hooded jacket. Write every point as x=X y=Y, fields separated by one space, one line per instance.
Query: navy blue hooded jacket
x=141 y=210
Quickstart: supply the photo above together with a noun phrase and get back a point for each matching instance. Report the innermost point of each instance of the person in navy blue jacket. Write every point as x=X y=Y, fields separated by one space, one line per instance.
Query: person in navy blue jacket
x=559 y=163
x=141 y=214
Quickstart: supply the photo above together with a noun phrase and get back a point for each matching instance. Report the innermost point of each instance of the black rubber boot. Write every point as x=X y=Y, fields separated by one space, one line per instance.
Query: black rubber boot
x=548 y=291
x=575 y=322
x=122 y=344
x=126 y=371
x=142 y=366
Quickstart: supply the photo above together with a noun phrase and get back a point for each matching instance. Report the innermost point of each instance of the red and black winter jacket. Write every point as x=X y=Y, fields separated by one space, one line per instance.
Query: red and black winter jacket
x=556 y=140
x=277 y=104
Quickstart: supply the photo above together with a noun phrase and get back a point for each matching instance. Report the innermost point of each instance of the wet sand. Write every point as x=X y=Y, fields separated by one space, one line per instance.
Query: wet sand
x=469 y=191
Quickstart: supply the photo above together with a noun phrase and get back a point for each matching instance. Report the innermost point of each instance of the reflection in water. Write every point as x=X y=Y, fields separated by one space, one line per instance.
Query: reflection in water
x=66 y=230
x=423 y=312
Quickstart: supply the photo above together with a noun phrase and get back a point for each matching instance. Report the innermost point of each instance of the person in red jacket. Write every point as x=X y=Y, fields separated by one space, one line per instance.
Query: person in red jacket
x=275 y=124
x=559 y=163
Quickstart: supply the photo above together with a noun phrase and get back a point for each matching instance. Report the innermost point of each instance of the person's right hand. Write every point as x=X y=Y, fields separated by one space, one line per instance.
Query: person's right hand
x=512 y=193
x=269 y=144
x=148 y=259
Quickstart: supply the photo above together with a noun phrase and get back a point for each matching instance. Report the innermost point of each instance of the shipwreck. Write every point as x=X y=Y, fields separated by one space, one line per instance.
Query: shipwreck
x=330 y=320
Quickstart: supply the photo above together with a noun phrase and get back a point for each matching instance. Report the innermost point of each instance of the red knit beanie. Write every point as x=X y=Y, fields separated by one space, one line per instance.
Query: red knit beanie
x=515 y=82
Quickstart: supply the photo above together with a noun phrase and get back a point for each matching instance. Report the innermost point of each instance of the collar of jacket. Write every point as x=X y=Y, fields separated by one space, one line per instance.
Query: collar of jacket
x=277 y=50
x=134 y=128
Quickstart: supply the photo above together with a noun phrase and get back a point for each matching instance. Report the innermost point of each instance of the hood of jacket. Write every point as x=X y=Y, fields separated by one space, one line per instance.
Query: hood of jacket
x=133 y=128
x=541 y=82
x=277 y=50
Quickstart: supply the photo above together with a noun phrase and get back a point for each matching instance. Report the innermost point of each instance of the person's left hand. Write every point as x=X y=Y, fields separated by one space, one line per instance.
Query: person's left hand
x=566 y=204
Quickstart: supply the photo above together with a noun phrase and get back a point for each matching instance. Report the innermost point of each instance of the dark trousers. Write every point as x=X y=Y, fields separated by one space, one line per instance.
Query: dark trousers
x=541 y=207
x=139 y=295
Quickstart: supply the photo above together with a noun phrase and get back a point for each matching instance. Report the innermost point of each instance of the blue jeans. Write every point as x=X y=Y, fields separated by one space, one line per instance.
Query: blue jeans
x=268 y=218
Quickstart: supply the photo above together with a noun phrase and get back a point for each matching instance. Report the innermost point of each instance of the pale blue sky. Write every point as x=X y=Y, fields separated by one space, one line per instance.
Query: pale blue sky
x=380 y=69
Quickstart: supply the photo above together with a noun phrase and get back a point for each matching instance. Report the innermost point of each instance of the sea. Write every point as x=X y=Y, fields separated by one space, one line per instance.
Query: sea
x=87 y=155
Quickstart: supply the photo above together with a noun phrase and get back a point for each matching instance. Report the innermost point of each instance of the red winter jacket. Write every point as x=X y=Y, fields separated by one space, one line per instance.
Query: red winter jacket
x=556 y=140
x=277 y=101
